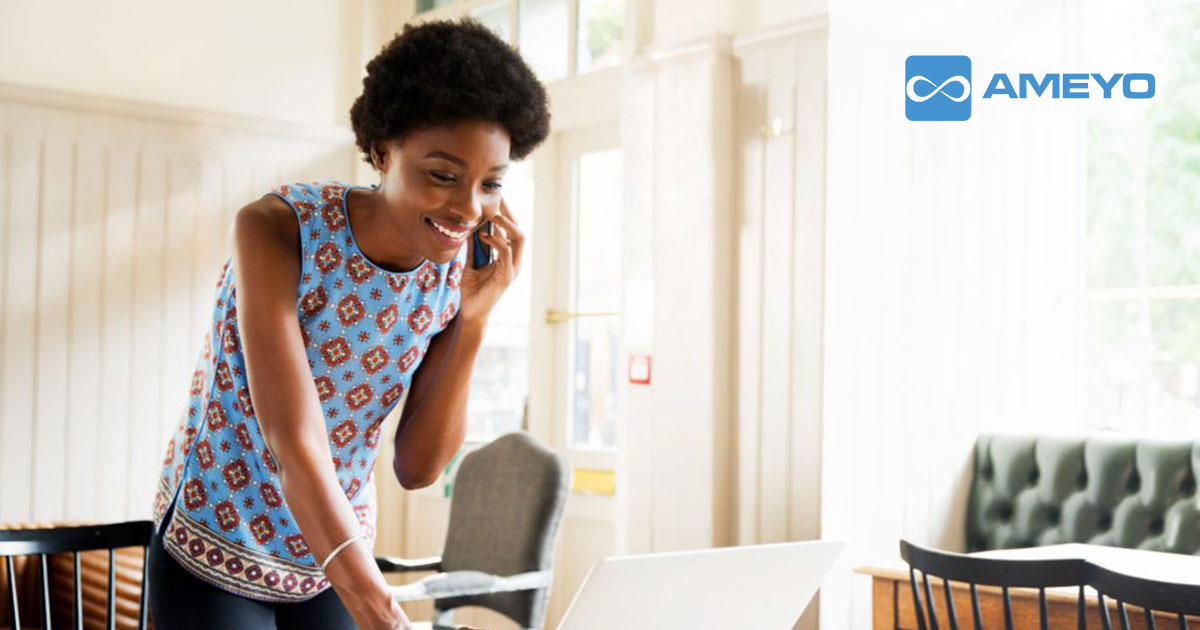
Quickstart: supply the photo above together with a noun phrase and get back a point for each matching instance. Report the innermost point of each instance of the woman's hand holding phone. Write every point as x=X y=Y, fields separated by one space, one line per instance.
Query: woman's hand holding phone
x=483 y=285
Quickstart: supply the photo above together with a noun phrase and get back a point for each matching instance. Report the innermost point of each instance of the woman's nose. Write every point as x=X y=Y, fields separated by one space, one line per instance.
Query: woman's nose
x=469 y=208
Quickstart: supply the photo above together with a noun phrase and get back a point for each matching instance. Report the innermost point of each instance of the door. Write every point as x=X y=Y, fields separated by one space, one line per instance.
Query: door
x=550 y=358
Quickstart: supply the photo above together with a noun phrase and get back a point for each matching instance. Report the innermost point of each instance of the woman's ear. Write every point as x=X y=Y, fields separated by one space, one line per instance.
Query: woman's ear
x=377 y=158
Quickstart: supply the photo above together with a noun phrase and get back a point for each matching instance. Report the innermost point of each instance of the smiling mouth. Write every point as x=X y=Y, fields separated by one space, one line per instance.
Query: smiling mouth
x=448 y=234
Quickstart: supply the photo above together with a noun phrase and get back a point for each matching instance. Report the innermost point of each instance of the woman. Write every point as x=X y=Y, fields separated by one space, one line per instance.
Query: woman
x=338 y=300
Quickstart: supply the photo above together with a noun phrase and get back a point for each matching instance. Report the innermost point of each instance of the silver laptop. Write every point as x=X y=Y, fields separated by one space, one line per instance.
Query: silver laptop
x=764 y=587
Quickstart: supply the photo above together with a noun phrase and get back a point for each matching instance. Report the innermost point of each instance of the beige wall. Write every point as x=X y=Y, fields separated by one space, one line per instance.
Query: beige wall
x=289 y=60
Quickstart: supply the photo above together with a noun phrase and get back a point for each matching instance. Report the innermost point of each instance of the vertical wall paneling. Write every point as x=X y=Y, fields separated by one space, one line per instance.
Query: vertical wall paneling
x=236 y=189
x=149 y=262
x=83 y=392
x=206 y=249
x=5 y=203
x=52 y=313
x=751 y=106
x=780 y=374
x=781 y=256
x=116 y=388
x=180 y=210
x=777 y=252
x=113 y=230
x=18 y=366
x=808 y=292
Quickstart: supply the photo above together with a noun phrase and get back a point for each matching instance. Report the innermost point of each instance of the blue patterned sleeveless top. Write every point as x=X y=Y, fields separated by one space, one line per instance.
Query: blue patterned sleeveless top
x=365 y=331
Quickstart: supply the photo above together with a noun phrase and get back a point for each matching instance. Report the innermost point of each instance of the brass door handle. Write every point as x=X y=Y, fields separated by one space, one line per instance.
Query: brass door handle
x=555 y=316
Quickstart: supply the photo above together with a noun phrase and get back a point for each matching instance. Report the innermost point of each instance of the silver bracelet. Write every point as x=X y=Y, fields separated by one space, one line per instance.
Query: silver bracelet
x=345 y=543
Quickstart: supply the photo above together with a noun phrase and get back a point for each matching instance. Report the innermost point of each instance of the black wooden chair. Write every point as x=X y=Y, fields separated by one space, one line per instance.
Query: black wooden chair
x=76 y=539
x=973 y=571
x=1177 y=600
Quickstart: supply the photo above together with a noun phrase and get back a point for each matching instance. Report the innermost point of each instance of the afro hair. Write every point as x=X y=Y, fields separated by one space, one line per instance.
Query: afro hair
x=445 y=71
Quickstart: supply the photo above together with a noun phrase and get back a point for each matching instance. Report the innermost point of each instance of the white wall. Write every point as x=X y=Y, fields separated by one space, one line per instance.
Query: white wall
x=950 y=255
x=293 y=60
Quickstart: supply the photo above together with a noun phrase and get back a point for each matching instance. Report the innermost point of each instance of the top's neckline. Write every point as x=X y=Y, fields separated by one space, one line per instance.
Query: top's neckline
x=354 y=241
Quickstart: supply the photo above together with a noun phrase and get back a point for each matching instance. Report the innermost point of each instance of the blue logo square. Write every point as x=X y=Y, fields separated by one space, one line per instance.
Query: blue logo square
x=937 y=87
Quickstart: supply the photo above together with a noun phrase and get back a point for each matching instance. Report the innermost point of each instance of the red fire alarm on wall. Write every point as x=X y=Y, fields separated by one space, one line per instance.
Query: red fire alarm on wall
x=639 y=369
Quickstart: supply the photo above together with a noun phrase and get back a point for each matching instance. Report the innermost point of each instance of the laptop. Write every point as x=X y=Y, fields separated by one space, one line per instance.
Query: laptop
x=764 y=587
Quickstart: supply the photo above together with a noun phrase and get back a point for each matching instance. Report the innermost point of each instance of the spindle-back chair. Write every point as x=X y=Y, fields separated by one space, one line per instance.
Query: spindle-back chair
x=75 y=539
x=1178 y=600
x=975 y=571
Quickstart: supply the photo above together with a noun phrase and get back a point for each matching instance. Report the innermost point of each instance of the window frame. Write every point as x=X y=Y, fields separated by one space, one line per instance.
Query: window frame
x=463 y=8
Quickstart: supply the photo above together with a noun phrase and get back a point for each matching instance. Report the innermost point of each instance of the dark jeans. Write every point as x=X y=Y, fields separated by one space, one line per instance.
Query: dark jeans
x=182 y=601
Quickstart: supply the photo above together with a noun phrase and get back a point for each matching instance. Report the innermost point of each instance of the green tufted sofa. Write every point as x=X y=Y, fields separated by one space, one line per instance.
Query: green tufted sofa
x=1039 y=490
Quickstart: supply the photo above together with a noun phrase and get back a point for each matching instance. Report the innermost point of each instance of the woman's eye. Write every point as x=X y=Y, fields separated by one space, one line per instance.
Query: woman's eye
x=441 y=177
x=493 y=185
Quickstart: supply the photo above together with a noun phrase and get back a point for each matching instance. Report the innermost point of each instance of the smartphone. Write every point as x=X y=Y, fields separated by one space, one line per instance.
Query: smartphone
x=482 y=253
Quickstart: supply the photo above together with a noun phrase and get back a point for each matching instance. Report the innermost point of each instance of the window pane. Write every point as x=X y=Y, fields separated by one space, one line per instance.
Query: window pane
x=1143 y=156
x=429 y=5
x=597 y=288
x=600 y=33
x=495 y=17
x=1143 y=365
x=1110 y=199
x=544 y=30
x=500 y=381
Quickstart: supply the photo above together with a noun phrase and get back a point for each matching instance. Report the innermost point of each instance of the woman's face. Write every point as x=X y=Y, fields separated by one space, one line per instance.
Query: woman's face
x=440 y=183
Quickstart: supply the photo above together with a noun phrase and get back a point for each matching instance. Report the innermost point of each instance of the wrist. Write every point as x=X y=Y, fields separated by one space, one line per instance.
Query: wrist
x=358 y=579
x=471 y=327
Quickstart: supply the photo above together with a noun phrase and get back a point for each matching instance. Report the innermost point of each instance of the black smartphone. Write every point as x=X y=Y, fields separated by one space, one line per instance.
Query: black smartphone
x=482 y=253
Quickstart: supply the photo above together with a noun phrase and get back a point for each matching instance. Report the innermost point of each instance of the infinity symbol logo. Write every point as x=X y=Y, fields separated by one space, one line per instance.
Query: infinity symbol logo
x=910 y=88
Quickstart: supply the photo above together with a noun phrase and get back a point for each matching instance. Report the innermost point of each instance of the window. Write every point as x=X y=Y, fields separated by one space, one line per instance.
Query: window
x=494 y=16
x=544 y=37
x=431 y=5
x=600 y=31
x=1141 y=302
x=596 y=289
x=559 y=38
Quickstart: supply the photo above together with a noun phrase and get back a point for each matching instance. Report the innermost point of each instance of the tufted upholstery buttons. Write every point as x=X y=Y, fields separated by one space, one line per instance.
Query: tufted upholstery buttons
x=1047 y=489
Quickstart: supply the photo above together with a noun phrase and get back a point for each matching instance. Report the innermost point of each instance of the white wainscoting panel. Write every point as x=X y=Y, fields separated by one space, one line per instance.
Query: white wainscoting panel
x=114 y=222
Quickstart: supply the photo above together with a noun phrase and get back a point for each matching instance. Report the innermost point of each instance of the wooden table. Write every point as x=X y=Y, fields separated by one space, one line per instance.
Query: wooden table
x=893 y=608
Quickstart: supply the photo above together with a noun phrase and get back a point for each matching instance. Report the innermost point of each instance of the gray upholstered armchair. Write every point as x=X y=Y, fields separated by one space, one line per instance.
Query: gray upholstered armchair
x=499 y=554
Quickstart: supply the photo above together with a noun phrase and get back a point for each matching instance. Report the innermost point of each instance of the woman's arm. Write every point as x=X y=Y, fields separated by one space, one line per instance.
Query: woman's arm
x=433 y=423
x=266 y=266
x=434 y=420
